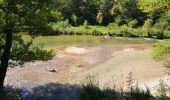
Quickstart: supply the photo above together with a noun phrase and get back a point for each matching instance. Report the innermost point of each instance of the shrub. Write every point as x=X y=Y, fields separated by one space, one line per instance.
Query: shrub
x=146 y=28
x=124 y=30
x=74 y=19
x=161 y=50
x=166 y=33
x=156 y=32
x=133 y=23
x=24 y=51
x=162 y=25
x=138 y=32
x=127 y=31
x=85 y=24
x=119 y=20
x=96 y=32
x=148 y=23
x=113 y=26
x=100 y=20
x=61 y=24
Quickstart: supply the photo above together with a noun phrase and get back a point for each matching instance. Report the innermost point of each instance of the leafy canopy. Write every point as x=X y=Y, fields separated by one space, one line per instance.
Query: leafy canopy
x=26 y=15
x=153 y=7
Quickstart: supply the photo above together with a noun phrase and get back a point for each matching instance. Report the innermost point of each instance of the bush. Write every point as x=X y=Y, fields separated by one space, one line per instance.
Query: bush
x=61 y=24
x=166 y=33
x=113 y=25
x=85 y=24
x=138 y=32
x=156 y=32
x=133 y=23
x=161 y=50
x=74 y=19
x=114 y=29
x=162 y=25
x=96 y=32
x=119 y=20
x=146 y=28
x=25 y=51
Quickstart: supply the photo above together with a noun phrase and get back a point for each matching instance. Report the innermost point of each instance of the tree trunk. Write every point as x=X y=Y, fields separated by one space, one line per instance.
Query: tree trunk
x=5 y=57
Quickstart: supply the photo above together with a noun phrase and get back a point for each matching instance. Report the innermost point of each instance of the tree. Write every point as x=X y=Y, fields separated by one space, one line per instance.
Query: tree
x=154 y=7
x=127 y=10
x=83 y=9
x=22 y=15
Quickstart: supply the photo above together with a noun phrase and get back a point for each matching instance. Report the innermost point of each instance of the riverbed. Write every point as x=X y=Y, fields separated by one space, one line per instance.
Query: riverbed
x=108 y=63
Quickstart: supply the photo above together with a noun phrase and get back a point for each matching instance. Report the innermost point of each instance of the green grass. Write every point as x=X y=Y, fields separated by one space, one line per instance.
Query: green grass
x=50 y=42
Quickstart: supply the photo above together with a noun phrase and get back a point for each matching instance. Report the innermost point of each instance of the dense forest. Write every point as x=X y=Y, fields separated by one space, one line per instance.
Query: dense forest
x=124 y=17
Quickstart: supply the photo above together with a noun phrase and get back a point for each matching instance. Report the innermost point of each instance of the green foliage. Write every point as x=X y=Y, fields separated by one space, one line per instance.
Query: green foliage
x=154 y=7
x=162 y=25
x=148 y=23
x=55 y=16
x=119 y=20
x=85 y=24
x=133 y=13
x=96 y=32
x=61 y=24
x=165 y=16
x=127 y=10
x=161 y=50
x=146 y=28
x=133 y=23
x=113 y=29
x=74 y=19
x=100 y=20
x=25 y=51
x=32 y=17
x=167 y=34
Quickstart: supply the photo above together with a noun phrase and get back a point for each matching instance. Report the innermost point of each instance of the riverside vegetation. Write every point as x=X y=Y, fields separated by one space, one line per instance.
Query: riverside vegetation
x=116 y=18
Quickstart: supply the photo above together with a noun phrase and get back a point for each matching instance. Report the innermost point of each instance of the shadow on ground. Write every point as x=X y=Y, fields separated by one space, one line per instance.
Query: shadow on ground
x=54 y=91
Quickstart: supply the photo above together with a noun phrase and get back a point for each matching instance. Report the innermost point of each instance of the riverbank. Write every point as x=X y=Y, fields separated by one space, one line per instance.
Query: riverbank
x=73 y=63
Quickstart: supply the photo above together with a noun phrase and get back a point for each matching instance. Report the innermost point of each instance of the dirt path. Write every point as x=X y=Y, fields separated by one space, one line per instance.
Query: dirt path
x=106 y=62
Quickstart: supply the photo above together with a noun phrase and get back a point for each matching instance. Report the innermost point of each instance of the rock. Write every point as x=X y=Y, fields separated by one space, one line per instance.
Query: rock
x=160 y=36
x=107 y=37
x=53 y=71
x=75 y=50
x=13 y=63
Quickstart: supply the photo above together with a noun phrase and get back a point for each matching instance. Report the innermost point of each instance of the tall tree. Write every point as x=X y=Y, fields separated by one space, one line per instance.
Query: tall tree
x=83 y=9
x=154 y=8
x=22 y=15
x=127 y=10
